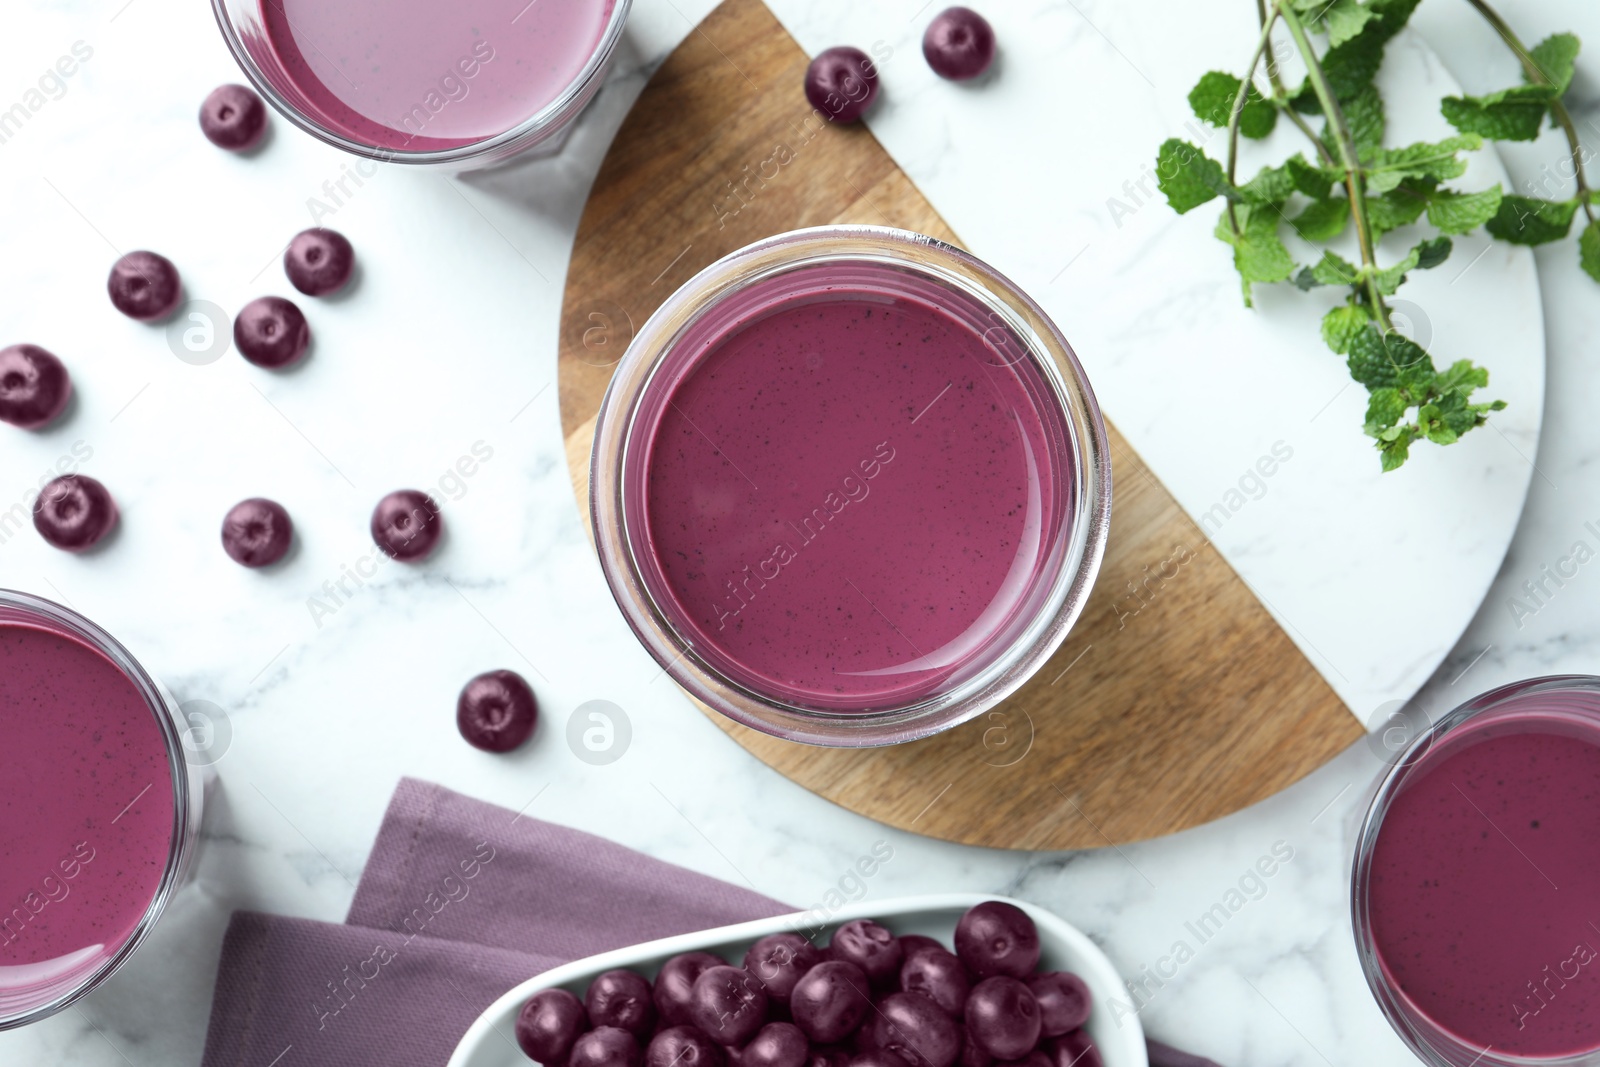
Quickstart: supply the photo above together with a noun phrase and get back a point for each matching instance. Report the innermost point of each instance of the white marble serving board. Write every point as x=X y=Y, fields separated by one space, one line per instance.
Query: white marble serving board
x=1044 y=168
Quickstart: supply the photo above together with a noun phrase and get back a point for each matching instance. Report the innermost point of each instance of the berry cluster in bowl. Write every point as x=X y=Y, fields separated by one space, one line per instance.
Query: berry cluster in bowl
x=868 y=998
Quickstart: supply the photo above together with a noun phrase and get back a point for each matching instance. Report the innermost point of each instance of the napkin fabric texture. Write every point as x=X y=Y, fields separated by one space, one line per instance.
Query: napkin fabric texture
x=460 y=901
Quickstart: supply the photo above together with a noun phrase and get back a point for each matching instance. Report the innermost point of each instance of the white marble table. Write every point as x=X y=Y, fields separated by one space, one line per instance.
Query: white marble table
x=324 y=719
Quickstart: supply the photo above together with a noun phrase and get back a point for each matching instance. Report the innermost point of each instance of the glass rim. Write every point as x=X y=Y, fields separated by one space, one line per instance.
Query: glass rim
x=525 y=134
x=1402 y=1013
x=1049 y=355
x=184 y=793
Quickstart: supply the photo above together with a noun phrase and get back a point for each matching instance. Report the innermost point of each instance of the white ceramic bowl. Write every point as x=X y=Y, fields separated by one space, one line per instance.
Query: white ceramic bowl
x=490 y=1041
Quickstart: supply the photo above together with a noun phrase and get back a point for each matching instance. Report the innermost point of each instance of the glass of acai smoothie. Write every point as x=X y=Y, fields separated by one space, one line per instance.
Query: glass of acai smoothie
x=1476 y=887
x=99 y=808
x=850 y=486
x=460 y=84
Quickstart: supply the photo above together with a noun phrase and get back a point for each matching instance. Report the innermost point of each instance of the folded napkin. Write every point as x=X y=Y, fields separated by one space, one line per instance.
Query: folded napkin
x=460 y=901
x=1167 y=1056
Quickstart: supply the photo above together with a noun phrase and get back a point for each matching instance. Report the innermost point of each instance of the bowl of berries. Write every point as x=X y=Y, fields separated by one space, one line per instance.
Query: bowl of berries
x=954 y=980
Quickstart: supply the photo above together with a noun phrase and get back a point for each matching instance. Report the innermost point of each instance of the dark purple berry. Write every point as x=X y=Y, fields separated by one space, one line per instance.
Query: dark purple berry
x=605 y=1046
x=548 y=1024
x=271 y=332
x=34 y=386
x=319 y=261
x=937 y=974
x=829 y=1056
x=972 y=1053
x=618 y=998
x=777 y=1045
x=233 y=117
x=779 y=961
x=406 y=524
x=917 y=1030
x=877 y=1057
x=830 y=1001
x=842 y=83
x=997 y=938
x=869 y=946
x=959 y=44
x=256 y=532
x=684 y=1046
x=1064 y=1001
x=497 y=712
x=1035 y=1058
x=729 y=1004
x=1003 y=1017
x=144 y=286
x=911 y=944
x=1073 y=1049
x=74 y=512
x=675 y=985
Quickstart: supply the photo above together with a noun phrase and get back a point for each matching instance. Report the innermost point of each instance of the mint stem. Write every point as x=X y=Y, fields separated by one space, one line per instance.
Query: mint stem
x=1348 y=158
x=1280 y=97
x=1245 y=85
x=1558 y=109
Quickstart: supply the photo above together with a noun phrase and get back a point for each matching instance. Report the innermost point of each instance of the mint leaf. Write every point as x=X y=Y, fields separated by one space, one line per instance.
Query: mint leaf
x=1363 y=113
x=1271 y=185
x=1333 y=269
x=1341 y=325
x=1387 y=279
x=1461 y=377
x=1351 y=65
x=1508 y=115
x=1526 y=220
x=1455 y=213
x=1556 y=56
x=1322 y=220
x=1440 y=161
x=1258 y=253
x=1430 y=419
x=1341 y=20
x=1449 y=412
x=1344 y=19
x=1399 y=207
x=1394 y=446
x=1589 y=250
x=1212 y=99
x=1369 y=360
x=1312 y=180
x=1385 y=407
x=1432 y=252
x=1378 y=359
x=1188 y=176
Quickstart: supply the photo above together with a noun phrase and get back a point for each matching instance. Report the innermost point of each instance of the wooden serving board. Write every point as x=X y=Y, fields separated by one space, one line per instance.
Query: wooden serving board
x=1176 y=699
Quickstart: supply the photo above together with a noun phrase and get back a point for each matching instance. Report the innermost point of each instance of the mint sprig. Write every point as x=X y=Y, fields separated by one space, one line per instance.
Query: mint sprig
x=1353 y=182
x=1516 y=114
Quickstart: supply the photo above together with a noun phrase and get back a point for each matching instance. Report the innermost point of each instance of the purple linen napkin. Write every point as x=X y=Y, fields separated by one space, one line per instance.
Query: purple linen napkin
x=460 y=900
x=1167 y=1056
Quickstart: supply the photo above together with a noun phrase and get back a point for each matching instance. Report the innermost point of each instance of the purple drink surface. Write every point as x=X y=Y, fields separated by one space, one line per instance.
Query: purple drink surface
x=852 y=495
x=421 y=75
x=1485 y=889
x=86 y=803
